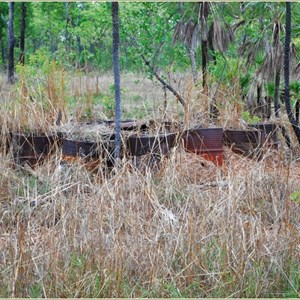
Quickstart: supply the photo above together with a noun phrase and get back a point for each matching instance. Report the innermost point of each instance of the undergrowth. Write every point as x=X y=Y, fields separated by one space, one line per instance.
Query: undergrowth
x=185 y=229
x=190 y=230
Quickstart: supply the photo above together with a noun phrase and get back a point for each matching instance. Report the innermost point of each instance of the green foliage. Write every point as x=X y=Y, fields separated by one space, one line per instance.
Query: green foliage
x=295 y=196
x=249 y=119
x=148 y=31
x=33 y=185
x=108 y=103
x=78 y=34
x=295 y=87
x=294 y=92
x=228 y=70
x=36 y=291
x=39 y=59
x=270 y=89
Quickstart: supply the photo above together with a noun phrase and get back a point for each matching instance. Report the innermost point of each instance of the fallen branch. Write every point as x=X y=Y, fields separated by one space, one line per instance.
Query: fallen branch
x=170 y=88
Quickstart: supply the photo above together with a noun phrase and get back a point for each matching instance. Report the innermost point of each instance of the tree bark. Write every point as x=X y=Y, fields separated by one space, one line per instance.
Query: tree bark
x=277 y=106
x=288 y=25
x=276 y=93
x=192 y=57
x=267 y=110
x=79 y=45
x=116 y=67
x=23 y=29
x=297 y=111
x=11 y=42
x=80 y=49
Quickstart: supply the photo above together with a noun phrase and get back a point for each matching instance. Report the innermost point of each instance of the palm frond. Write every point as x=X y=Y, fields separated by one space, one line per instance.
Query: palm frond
x=294 y=64
x=195 y=38
x=253 y=49
x=178 y=32
x=187 y=33
x=219 y=37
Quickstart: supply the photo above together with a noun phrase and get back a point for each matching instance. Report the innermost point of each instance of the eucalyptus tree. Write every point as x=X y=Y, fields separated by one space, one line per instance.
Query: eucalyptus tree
x=147 y=33
x=48 y=32
x=93 y=33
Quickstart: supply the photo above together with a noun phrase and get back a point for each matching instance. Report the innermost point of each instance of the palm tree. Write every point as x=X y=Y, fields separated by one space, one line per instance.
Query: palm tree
x=116 y=67
x=215 y=37
x=188 y=34
x=287 y=100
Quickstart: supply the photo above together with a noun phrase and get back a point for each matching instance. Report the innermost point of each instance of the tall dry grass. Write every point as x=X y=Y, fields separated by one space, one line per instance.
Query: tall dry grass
x=188 y=229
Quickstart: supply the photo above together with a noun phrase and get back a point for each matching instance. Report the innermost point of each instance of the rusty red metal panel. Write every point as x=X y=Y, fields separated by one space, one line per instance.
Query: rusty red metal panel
x=142 y=144
x=270 y=131
x=207 y=142
x=32 y=149
x=246 y=142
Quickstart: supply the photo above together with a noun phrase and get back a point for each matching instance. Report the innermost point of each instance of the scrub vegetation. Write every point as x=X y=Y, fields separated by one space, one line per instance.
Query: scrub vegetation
x=175 y=226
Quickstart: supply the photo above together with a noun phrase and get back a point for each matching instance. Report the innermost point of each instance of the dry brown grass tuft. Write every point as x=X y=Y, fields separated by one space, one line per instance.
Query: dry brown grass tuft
x=191 y=229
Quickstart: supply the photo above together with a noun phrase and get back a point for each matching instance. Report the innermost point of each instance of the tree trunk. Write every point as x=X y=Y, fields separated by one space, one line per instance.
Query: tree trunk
x=23 y=28
x=287 y=99
x=267 y=110
x=79 y=45
x=277 y=106
x=204 y=46
x=297 y=111
x=116 y=67
x=259 y=106
x=80 y=49
x=11 y=43
x=276 y=93
x=67 y=23
x=192 y=56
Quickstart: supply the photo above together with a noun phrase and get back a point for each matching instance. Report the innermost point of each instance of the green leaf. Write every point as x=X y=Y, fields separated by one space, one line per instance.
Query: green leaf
x=295 y=196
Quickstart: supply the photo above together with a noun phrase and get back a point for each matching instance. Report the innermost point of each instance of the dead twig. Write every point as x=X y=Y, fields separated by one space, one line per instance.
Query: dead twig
x=169 y=87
